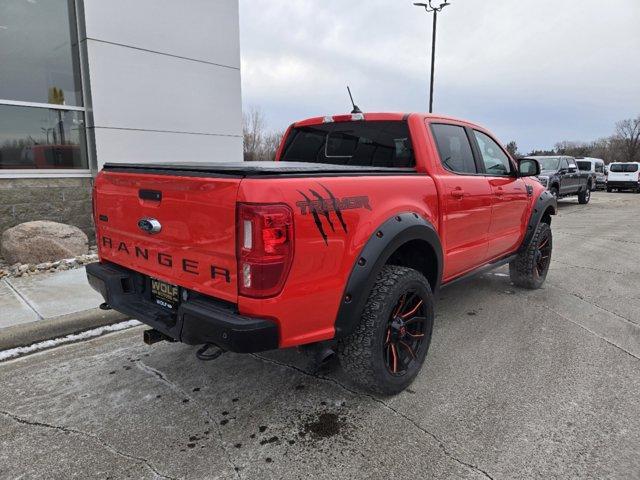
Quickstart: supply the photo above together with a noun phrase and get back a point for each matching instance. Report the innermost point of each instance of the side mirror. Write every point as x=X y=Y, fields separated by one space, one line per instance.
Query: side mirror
x=573 y=169
x=528 y=167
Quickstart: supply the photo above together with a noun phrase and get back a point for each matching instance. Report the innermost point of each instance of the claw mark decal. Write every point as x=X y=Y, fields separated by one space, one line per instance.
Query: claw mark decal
x=334 y=202
x=310 y=205
x=324 y=206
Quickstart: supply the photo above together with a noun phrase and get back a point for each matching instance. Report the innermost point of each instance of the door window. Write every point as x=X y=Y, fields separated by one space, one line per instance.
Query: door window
x=454 y=148
x=496 y=162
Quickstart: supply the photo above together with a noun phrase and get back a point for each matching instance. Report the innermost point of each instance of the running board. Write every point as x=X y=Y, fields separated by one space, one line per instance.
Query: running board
x=479 y=271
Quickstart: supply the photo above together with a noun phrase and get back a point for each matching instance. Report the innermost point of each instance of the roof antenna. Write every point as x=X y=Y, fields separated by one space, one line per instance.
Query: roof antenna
x=356 y=109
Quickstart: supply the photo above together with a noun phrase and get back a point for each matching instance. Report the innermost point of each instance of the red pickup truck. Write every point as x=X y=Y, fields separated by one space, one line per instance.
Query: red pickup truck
x=341 y=243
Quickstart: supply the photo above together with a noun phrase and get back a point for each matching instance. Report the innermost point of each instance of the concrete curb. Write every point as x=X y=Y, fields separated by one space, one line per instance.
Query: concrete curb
x=38 y=331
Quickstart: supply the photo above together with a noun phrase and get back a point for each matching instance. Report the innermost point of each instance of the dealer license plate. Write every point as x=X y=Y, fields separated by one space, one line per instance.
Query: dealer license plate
x=165 y=294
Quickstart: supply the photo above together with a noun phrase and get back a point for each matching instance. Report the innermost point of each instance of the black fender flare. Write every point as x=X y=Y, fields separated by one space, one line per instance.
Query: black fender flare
x=545 y=202
x=384 y=241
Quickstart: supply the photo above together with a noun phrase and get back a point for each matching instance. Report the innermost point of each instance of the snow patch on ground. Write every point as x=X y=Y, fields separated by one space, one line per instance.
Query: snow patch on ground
x=76 y=337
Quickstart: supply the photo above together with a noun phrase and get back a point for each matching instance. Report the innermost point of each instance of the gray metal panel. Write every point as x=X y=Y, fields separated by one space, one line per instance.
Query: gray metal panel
x=205 y=30
x=119 y=146
x=136 y=89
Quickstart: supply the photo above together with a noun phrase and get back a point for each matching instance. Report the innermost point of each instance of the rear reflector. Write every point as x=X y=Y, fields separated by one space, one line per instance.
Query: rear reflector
x=265 y=248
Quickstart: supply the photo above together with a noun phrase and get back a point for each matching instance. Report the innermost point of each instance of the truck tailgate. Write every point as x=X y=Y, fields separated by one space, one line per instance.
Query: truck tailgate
x=195 y=246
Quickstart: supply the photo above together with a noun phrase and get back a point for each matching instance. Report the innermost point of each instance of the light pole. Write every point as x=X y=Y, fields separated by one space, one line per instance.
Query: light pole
x=430 y=8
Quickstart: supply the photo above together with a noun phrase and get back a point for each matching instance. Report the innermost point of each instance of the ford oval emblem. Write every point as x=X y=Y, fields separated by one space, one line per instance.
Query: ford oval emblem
x=149 y=225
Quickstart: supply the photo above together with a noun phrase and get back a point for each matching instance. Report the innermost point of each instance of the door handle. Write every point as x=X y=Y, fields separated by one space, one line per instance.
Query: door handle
x=499 y=192
x=457 y=193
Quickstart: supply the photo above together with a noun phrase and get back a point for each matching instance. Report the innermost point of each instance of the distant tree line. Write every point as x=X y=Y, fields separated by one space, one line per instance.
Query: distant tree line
x=622 y=146
x=259 y=144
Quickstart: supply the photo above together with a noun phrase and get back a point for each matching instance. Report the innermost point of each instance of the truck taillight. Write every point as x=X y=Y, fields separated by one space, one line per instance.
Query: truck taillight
x=265 y=248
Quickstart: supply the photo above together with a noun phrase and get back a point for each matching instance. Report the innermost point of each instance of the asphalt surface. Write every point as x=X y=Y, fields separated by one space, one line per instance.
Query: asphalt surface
x=517 y=384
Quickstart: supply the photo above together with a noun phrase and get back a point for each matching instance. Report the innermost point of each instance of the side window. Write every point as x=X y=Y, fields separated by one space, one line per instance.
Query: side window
x=454 y=148
x=564 y=164
x=496 y=162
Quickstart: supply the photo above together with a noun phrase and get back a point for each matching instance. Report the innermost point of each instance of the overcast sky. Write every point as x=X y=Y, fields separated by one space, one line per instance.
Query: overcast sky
x=532 y=71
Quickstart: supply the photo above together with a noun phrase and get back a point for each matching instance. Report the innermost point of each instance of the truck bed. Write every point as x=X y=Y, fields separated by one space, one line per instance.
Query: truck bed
x=254 y=169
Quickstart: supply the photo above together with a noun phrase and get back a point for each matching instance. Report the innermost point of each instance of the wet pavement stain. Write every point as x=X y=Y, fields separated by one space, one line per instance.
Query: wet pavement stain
x=324 y=425
x=269 y=440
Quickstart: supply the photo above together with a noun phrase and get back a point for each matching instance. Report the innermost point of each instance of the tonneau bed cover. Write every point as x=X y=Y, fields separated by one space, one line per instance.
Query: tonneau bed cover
x=252 y=169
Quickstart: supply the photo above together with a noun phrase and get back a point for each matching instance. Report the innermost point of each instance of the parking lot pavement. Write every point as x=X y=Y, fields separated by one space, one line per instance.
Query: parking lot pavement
x=518 y=384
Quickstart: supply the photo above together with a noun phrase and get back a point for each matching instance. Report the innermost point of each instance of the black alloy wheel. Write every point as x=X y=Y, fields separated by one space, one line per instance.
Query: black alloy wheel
x=406 y=331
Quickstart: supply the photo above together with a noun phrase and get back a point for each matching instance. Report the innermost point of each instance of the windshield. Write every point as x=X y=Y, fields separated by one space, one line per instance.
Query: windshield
x=623 y=167
x=584 y=166
x=369 y=143
x=550 y=163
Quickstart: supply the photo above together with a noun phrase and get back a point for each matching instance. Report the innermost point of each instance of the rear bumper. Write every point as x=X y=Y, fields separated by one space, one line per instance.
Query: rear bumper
x=197 y=321
x=620 y=184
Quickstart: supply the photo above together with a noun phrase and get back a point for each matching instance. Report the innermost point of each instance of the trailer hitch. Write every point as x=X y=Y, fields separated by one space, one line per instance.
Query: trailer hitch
x=202 y=354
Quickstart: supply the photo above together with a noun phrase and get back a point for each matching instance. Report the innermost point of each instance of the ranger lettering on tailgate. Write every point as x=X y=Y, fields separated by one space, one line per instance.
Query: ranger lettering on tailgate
x=166 y=260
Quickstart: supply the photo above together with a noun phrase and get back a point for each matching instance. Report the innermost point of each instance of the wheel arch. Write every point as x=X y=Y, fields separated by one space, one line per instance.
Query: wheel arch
x=543 y=209
x=406 y=239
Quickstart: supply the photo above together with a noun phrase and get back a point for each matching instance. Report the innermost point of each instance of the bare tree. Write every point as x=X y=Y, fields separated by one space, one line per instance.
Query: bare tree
x=259 y=144
x=270 y=144
x=252 y=133
x=628 y=134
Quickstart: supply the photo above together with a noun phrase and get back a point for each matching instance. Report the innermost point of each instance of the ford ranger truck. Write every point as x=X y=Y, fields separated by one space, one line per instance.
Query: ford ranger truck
x=342 y=243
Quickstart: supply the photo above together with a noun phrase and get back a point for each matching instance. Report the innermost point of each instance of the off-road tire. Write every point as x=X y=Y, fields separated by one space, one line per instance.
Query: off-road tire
x=362 y=353
x=609 y=190
x=522 y=270
x=584 y=196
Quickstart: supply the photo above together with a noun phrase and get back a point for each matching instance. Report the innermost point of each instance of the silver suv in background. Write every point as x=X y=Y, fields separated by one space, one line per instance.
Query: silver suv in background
x=596 y=167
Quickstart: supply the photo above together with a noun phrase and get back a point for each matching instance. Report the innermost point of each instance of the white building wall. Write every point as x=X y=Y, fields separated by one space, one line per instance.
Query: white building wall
x=162 y=80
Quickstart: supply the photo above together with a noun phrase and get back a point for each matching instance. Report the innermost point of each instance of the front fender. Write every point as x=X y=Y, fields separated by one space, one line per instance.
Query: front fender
x=386 y=240
x=546 y=203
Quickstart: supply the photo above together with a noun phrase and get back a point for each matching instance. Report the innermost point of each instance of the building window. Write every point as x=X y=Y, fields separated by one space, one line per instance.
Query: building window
x=41 y=105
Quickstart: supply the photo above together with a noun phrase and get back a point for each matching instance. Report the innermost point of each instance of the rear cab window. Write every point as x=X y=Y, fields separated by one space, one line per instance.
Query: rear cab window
x=360 y=143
